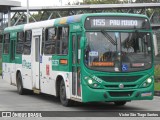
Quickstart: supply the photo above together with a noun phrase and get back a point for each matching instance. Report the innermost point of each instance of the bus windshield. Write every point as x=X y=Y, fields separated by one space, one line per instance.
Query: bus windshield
x=118 y=51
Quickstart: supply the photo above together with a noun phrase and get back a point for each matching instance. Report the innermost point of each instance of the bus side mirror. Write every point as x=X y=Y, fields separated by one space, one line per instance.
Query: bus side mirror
x=82 y=43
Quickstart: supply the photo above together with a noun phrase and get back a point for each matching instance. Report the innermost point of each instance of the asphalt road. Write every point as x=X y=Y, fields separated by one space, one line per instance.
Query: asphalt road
x=10 y=100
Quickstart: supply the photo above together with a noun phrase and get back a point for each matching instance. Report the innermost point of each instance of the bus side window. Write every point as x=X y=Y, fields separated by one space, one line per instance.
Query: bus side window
x=43 y=39
x=1 y=41
x=59 y=35
x=1 y=38
x=50 y=40
x=19 y=45
x=62 y=44
x=6 y=43
x=27 y=43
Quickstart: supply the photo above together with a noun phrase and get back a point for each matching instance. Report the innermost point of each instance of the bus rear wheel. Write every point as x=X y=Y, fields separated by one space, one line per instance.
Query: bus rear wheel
x=63 y=98
x=20 y=88
x=120 y=103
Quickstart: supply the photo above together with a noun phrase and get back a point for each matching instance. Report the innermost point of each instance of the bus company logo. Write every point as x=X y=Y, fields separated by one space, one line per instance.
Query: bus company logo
x=55 y=62
x=26 y=64
x=76 y=27
x=121 y=86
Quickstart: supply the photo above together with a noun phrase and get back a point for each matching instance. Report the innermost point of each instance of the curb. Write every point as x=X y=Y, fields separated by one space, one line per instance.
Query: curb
x=156 y=93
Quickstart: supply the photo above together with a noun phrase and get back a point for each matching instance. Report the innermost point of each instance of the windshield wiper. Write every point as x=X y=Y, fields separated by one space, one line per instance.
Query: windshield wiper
x=109 y=37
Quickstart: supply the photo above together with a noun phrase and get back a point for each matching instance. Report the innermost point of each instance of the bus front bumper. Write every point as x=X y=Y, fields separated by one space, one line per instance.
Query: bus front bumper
x=98 y=95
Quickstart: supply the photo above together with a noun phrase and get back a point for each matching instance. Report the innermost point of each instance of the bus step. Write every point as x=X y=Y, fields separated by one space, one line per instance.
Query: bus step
x=36 y=91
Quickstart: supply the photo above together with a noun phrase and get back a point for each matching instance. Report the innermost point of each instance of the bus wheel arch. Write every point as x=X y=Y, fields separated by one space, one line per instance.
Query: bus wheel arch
x=61 y=92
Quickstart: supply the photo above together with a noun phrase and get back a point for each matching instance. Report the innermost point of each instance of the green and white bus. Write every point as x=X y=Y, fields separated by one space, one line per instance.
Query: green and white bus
x=87 y=58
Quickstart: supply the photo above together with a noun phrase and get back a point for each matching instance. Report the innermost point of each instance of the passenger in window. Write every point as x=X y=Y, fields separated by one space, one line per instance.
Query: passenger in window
x=65 y=49
x=55 y=37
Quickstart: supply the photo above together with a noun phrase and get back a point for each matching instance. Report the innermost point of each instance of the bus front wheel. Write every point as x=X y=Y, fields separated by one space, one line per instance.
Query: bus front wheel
x=63 y=98
x=120 y=103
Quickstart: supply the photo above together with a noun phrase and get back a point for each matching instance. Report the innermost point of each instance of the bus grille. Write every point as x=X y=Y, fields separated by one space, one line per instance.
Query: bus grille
x=117 y=86
x=121 y=94
x=120 y=78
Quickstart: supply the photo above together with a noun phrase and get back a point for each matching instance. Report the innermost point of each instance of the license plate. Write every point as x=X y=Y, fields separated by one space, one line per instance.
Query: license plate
x=146 y=94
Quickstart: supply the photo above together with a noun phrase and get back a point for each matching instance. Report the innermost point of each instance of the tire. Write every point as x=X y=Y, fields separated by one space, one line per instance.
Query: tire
x=120 y=103
x=20 y=88
x=65 y=102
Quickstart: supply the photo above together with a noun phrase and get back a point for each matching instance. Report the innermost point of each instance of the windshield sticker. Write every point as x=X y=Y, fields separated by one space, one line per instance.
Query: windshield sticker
x=116 y=69
x=93 y=53
x=117 y=35
x=124 y=67
x=137 y=64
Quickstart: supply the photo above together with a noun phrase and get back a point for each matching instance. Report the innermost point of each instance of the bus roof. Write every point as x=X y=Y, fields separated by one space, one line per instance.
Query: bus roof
x=14 y=28
x=65 y=20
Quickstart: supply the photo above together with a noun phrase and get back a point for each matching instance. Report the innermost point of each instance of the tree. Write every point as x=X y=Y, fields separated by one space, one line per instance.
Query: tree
x=117 y=1
x=101 y=1
x=147 y=1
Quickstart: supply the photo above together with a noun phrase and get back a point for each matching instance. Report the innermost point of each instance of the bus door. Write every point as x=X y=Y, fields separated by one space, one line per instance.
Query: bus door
x=76 y=54
x=37 y=36
x=12 y=60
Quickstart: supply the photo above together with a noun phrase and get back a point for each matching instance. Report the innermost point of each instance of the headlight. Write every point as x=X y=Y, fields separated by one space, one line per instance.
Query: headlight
x=149 y=80
x=144 y=84
x=92 y=83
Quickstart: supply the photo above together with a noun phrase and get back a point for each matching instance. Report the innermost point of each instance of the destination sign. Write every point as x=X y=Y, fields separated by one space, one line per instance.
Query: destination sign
x=116 y=23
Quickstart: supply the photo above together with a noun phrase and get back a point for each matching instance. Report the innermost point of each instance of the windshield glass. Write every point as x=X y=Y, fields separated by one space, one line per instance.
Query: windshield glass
x=118 y=51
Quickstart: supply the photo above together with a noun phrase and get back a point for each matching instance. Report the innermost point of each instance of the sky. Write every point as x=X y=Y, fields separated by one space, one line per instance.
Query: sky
x=44 y=2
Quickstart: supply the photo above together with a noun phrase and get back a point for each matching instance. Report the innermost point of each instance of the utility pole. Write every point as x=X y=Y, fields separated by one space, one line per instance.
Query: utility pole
x=27 y=11
x=61 y=2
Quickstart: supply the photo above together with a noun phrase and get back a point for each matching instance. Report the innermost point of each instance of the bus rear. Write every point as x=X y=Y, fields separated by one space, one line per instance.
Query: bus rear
x=117 y=59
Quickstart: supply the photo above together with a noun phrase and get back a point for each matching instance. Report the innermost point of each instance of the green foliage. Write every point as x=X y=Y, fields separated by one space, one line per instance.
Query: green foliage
x=117 y=1
x=157 y=71
x=40 y=16
x=101 y=1
x=147 y=1
x=157 y=86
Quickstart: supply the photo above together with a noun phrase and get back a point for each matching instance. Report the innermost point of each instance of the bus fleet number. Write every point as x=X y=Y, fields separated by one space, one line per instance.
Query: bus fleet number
x=98 y=22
